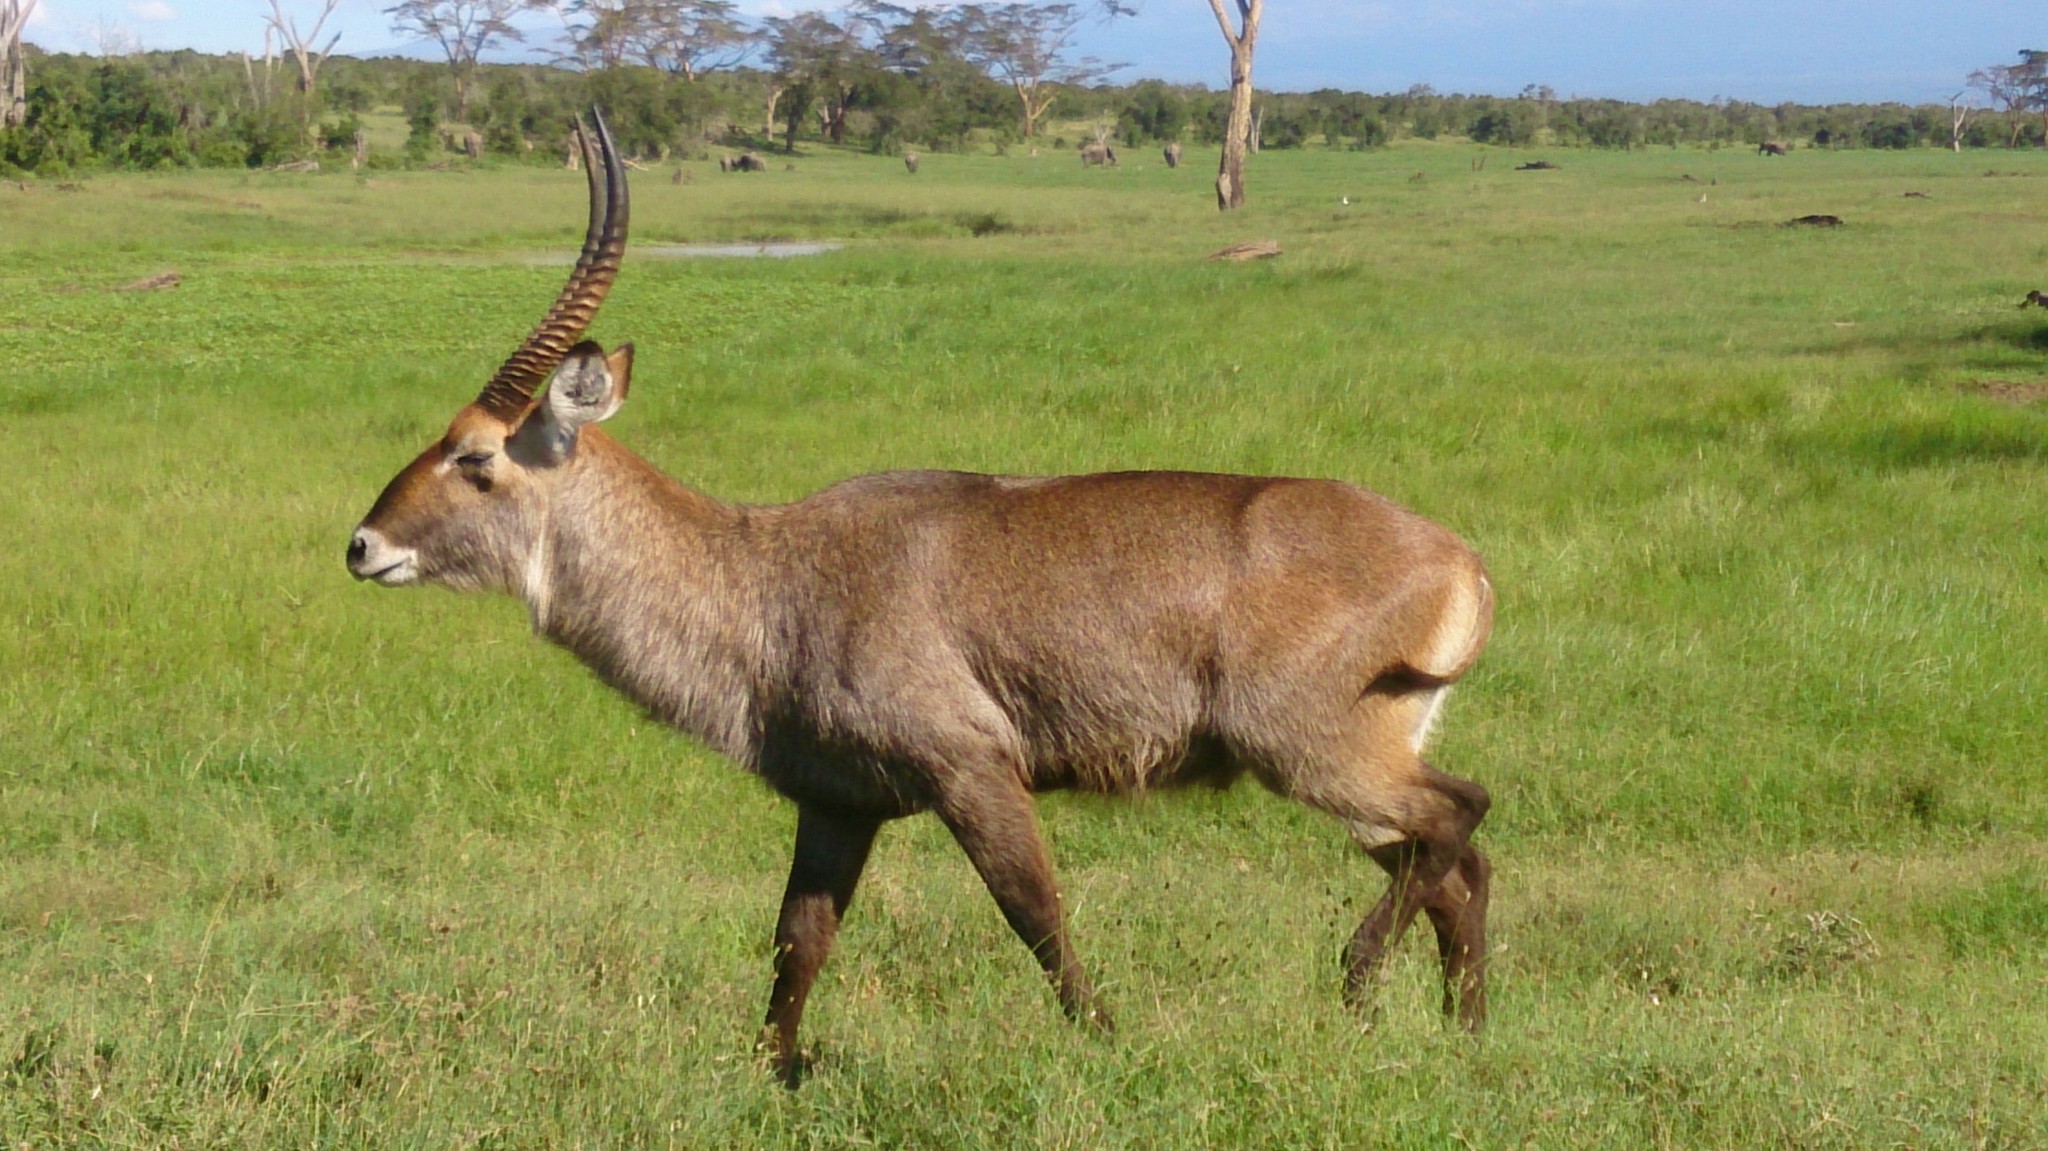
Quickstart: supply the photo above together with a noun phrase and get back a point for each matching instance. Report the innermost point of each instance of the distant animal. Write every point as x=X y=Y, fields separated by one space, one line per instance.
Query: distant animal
x=1536 y=166
x=1771 y=148
x=2035 y=298
x=1914 y=195
x=744 y=162
x=1418 y=178
x=1097 y=153
x=1248 y=250
x=952 y=643
x=1815 y=221
x=155 y=283
x=910 y=162
x=1173 y=153
x=680 y=177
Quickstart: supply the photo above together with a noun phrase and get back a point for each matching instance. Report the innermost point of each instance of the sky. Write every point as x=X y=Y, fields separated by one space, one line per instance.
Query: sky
x=1809 y=51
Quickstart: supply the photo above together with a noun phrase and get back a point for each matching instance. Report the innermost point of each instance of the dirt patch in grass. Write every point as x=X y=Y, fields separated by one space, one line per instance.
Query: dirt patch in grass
x=2016 y=392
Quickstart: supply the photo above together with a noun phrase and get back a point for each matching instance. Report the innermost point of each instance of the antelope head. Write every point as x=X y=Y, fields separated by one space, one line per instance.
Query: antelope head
x=470 y=511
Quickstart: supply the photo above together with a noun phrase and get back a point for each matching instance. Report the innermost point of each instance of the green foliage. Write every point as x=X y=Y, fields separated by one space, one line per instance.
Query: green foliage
x=133 y=123
x=271 y=134
x=884 y=78
x=507 y=113
x=422 y=99
x=1153 y=111
x=57 y=135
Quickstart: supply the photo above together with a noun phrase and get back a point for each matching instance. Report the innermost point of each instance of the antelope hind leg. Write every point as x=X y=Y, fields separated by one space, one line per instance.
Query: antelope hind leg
x=1427 y=865
x=1459 y=916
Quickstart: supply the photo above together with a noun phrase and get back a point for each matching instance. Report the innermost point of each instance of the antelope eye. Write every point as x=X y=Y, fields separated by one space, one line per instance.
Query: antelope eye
x=472 y=459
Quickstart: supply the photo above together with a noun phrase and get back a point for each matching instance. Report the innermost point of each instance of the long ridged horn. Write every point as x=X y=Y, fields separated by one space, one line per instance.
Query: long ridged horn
x=510 y=392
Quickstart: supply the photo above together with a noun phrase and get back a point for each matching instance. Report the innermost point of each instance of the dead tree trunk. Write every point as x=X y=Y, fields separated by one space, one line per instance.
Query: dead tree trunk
x=259 y=91
x=1237 y=125
x=14 y=16
x=1958 y=119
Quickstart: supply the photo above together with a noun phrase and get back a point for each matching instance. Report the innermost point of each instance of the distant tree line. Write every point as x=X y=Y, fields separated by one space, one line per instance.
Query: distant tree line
x=679 y=76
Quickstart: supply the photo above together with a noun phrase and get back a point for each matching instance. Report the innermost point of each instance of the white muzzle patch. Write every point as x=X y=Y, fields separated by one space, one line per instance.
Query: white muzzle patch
x=372 y=557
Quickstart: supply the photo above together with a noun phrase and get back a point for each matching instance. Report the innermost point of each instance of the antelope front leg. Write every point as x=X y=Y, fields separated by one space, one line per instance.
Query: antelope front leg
x=994 y=824
x=831 y=849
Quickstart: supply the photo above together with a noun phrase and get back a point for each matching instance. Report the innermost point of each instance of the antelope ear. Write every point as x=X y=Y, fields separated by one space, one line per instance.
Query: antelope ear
x=588 y=388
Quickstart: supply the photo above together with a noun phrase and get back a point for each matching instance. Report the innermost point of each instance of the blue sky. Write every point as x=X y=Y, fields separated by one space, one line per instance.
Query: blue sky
x=1767 y=50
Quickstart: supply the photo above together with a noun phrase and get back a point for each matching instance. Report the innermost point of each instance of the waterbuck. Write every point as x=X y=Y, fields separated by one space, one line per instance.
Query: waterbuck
x=946 y=642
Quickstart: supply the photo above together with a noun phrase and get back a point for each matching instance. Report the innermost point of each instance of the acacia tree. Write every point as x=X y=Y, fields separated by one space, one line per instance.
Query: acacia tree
x=684 y=38
x=2011 y=89
x=600 y=31
x=818 y=63
x=464 y=29
x=1024 y=45
x=1237 y=125
x=688 y=38
x=14 y=16
x=2032 y=75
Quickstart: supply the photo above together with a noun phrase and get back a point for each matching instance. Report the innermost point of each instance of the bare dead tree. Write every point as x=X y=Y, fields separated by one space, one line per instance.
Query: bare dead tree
x=303 y=49
x=1237 y=126
x=259 y=88
x=111 y=38
x=1958 y=119
x=14 y=16
x=464 y=30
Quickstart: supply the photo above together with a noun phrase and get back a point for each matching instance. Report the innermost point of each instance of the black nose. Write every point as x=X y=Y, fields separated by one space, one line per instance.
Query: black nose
x=357 y=548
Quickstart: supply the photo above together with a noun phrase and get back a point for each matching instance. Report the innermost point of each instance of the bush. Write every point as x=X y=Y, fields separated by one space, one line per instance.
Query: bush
x=269 y=136
x=55 y=137
x=421 y=99
x=341 y=135
x=133 y=122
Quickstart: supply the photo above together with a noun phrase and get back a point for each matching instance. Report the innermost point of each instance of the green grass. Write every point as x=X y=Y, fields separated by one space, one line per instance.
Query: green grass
x=286 y=861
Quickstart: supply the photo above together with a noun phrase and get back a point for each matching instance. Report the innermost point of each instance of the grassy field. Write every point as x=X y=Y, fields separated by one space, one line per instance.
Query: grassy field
x=291 y=862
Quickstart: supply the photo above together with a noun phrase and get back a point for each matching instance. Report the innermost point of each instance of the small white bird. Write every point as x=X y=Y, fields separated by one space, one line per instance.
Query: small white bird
x=1346 y=201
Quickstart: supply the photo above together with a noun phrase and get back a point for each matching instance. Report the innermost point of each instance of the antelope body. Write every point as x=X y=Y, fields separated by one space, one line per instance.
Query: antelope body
x=949 y=642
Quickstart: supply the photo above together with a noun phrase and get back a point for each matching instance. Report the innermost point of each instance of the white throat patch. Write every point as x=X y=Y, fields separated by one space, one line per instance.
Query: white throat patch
x=539 y=590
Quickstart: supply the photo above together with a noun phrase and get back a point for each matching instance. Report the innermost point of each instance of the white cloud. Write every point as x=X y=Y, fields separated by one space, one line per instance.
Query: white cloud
x=154 y=11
